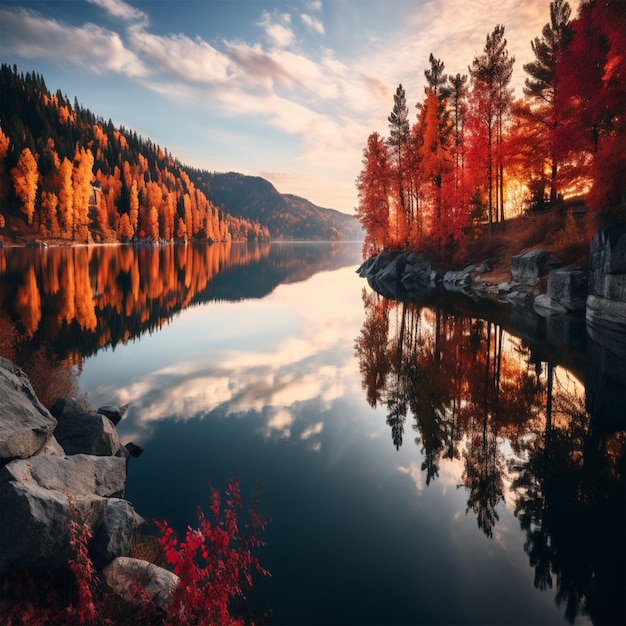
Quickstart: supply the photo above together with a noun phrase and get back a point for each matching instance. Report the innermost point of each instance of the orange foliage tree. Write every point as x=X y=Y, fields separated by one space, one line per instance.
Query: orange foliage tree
x=25 y=180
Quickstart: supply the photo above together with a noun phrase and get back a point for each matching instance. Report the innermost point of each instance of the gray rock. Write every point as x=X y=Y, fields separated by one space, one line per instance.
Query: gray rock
x=25 y=424
x=51 y=448
x=545 y=306
x=113 y=412
x=457 y=280
x=391 y=273
x=82 y=432
x=375 y=264
x=568 y=287
x=114 y=536
x=607 y=254
x=134 y=449
x=606 y=314
x=35 y=529
x=528 y=267
x=79 y=474
x=122 y=573
x=416 y=273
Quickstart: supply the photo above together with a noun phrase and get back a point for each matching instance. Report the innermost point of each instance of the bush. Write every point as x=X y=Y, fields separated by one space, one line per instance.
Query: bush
x=215 y=563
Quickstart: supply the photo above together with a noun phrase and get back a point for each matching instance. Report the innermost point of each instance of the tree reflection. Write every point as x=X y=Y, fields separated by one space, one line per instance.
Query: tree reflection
x=61 y=304
x=517 y=421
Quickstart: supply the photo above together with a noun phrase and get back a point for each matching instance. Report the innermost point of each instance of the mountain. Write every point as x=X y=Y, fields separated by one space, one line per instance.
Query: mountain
x=288 y=217
x=66 y=174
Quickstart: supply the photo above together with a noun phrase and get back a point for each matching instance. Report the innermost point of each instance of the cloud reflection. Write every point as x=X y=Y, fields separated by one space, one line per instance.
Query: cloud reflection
x=313 y=363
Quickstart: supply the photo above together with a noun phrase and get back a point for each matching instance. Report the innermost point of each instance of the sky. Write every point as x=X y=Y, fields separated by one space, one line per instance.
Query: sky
x=286 y=90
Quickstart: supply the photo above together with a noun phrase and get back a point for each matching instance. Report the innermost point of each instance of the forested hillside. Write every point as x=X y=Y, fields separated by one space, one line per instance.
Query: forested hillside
x=67 y=174
x=285 y=215
x=475 y=156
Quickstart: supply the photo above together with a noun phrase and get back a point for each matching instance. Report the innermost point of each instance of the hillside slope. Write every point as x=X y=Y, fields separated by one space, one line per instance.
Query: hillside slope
x=288 y=217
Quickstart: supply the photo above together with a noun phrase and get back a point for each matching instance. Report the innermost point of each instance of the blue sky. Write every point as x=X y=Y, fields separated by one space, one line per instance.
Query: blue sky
x=287 y=90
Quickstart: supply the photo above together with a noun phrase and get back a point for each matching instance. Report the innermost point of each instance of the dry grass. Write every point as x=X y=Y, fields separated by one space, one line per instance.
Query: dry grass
x=551 y=232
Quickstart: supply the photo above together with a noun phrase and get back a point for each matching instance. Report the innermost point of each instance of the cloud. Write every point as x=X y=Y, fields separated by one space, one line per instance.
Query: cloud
x=315 y=5
x=312 y=23
x=122 y=10
x=189 y=60
x=29 y=35
x=414 y=473
x=277 y=29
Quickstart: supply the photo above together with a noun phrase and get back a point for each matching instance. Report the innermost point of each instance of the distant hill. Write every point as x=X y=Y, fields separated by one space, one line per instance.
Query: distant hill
x=66 y=174
x=288 y=217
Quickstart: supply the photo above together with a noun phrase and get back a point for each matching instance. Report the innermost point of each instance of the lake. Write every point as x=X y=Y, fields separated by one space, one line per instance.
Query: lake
x=434 y=462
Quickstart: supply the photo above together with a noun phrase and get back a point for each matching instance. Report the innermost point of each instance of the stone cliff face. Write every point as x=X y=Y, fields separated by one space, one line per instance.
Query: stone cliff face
x=605 y=316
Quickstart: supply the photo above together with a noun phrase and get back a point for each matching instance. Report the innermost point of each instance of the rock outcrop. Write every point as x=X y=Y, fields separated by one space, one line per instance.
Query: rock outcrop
x=566 y=293
x=45 y=484
x=606 y=327
x=529 y=267
x=26 y=426
x=606 y=302
x=83 y=431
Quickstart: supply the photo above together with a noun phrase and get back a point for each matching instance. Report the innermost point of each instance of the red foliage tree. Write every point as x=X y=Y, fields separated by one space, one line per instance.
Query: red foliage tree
x=373 y=185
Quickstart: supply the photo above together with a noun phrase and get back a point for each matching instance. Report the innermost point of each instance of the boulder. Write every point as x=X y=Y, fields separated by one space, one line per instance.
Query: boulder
x=568 y=287
x=114 y=536
x=416 y=273
x=35 y=529
x=375 y=264
x=79 y=431
x=545 y=306
x=528 y=267
x=79 y=474
x=123 y=573
x=460 y=280
x=26 y=426
x=113 y=412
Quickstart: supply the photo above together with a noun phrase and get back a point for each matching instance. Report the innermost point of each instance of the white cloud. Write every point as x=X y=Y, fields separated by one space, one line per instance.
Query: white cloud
x=414 y=473
x=277 y=29
x=313 y=23
x=121 y=9
x=189 y=60
x=29 y=35
x=313 y=430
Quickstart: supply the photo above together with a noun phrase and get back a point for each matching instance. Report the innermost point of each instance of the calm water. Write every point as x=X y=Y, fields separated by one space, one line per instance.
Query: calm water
x=425 y=463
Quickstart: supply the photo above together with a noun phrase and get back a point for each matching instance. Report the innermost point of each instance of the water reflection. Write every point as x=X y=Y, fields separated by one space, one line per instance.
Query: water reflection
x=59 y=305
x=514 y=414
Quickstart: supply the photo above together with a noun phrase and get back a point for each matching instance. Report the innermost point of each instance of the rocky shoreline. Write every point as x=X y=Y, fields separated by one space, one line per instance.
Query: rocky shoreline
x=61 y=463
x=543 y=302
x=538 y=282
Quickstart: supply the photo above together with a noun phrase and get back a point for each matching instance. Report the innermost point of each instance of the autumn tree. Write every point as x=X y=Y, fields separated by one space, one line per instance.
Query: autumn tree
x=5 y=142
x=458 y=109
x=65 y=207
x=491 y=101
x=592 y=91
x=398 y=141
x=82 y=175
x=542 y=85
x=134 y=206
x=25 y=180
x=373 y=185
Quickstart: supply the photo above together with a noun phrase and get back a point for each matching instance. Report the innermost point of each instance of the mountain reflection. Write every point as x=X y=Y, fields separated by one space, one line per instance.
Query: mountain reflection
x=59 y=305
x=516 y=421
